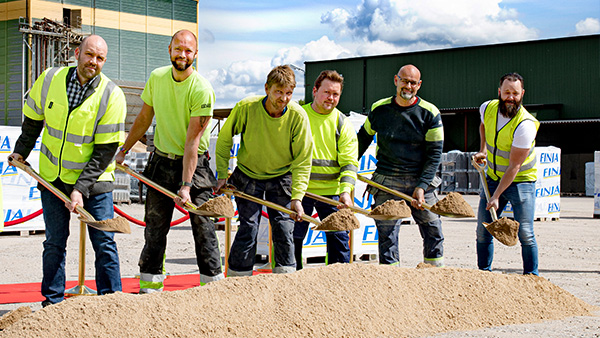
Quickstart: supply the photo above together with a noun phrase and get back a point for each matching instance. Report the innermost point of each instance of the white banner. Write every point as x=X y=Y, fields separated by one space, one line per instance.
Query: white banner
x=20 y=194
x=547 y=186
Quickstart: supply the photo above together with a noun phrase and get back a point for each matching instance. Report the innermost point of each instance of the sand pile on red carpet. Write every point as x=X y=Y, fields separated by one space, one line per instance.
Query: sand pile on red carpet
x=349 y=300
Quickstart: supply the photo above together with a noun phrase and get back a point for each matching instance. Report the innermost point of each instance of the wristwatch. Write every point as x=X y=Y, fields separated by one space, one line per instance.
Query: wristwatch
x=185 y=184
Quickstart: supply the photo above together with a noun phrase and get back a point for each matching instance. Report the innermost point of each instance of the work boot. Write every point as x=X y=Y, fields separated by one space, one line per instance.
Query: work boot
x=46 y=303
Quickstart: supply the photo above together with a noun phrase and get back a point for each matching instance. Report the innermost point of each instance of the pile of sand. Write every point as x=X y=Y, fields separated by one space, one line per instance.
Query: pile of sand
x=340 y=300
x=221 y=206
x=339 y=221
x=505 y=230
x=395 y=208
x=453 y=204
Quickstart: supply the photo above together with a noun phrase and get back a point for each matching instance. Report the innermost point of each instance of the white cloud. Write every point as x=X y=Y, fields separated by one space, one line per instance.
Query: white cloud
x=245 y=78
x=588 y=26
x=438 y=22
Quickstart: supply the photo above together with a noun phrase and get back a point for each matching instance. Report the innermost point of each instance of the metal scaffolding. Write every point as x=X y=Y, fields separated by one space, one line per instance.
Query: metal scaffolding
x=46 y=44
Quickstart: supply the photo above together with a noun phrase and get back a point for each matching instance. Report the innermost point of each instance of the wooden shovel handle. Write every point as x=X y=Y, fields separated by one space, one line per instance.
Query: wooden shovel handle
x=29 y=170
x=335 y=203
x=267 y=204
x=486 y=189
x=391 y=191
x=152 y=184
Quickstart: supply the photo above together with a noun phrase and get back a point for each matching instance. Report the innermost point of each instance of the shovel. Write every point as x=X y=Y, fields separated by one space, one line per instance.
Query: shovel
x=406 y=197
x=118 y=224
x=230 y=190
x=189 y=206
x=353 y=208
x=504 y=230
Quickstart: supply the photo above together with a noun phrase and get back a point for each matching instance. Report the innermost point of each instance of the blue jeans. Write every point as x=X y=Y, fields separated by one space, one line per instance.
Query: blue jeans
x=243 y=250
x=522 y=198
x=57 y=218
x=338 y=248
x=430 y=225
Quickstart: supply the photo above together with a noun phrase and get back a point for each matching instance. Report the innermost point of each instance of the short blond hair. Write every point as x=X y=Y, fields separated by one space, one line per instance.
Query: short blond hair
x=282 y=76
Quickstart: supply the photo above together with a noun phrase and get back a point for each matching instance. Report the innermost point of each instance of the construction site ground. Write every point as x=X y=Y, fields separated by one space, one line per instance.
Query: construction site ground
x=569 y=256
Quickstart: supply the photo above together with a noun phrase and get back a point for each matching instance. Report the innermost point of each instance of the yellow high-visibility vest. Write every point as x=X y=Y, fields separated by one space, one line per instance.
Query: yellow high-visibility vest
x=499 y=142
x=68 y=138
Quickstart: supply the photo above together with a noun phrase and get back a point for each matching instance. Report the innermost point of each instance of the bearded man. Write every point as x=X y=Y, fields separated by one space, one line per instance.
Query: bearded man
x=410 y=138
x=507 y=134
x=182 y=102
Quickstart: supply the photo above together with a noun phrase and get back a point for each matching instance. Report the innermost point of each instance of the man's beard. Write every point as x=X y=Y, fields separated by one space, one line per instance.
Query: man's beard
x=509 y=110
x=179 y=67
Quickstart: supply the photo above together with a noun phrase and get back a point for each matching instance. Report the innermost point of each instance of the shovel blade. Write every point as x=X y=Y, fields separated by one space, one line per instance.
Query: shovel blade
x=504 y=230
x=117 y=224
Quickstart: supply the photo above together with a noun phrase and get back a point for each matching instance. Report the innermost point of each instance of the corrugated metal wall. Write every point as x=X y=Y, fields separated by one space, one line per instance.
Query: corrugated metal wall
x=562 y=71
x=137 y=42
x=556 y=71
x=10 y=73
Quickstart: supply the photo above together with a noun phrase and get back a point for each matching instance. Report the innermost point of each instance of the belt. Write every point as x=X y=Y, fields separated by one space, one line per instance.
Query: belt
x=167 y=155
x=174 y=156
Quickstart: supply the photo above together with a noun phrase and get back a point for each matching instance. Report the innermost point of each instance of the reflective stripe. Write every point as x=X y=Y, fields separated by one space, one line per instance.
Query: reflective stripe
x=321 y=177
x=325 y=163
x=54 y=132
x=46 y=87
x=502 y=153
x=284 y=269
x=79 y=139
x=151 y=283
x=349 y=167
x=73 y=165
x=435 y=135
x=204 y=279
x=525 y=167
x=31 y=104
x=233 y=273
x=44 y=150
x=348 y=179
x=110 y=128
x=437 y=262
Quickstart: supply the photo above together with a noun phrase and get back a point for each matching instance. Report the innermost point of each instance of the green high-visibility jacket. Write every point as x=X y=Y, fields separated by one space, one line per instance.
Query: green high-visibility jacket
x=499 y=142
x=69 y=137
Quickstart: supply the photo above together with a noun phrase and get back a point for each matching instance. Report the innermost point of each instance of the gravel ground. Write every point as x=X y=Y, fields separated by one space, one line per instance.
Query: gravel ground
x=568 y=248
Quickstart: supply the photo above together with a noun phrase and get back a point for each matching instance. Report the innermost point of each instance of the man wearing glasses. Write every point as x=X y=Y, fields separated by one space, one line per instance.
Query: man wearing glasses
x=410 y=138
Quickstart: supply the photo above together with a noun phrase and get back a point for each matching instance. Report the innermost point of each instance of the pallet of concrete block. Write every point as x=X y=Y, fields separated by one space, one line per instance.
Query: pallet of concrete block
x=121 y=188
x=448 y=183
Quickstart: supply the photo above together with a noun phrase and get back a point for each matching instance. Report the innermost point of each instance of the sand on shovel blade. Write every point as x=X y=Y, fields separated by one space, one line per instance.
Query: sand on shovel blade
x=505 y=230
x=454 y=204
x=339 y=221
x=219 y=206
x=392 y=208
x=117 y=224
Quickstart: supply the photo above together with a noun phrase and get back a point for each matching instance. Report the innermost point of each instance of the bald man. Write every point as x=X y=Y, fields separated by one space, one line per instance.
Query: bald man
x=182 y=102
x=410 y=138
x=84 y=113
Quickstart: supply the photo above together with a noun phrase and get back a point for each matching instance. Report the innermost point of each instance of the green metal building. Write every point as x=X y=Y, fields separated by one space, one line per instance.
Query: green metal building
x=37 y=34
x=562 y=77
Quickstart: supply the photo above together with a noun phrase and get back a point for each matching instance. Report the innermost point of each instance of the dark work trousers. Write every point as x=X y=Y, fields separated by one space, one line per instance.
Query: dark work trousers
x=338 y=248
x=243 y=250
x=159 y=211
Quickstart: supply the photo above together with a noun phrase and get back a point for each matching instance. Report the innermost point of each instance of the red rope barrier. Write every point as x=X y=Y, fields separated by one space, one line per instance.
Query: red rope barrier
x=23 y=219
x=142 y=223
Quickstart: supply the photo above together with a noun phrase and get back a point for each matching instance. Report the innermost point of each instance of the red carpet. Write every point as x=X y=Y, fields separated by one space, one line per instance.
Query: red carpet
x=30 y=292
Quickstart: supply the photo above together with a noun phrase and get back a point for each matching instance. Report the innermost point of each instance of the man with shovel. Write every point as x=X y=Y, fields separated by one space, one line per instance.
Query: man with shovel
x=410 y=138
x=507 y=134
x=273 y=164
x=84 y=115
x=334 y=164
x=182 y=102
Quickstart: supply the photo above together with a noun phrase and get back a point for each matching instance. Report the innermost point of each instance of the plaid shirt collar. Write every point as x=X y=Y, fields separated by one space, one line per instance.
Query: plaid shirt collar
x=75 y=91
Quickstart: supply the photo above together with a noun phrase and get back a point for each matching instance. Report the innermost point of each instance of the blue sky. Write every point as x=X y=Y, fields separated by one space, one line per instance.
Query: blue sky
x=240 y=41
